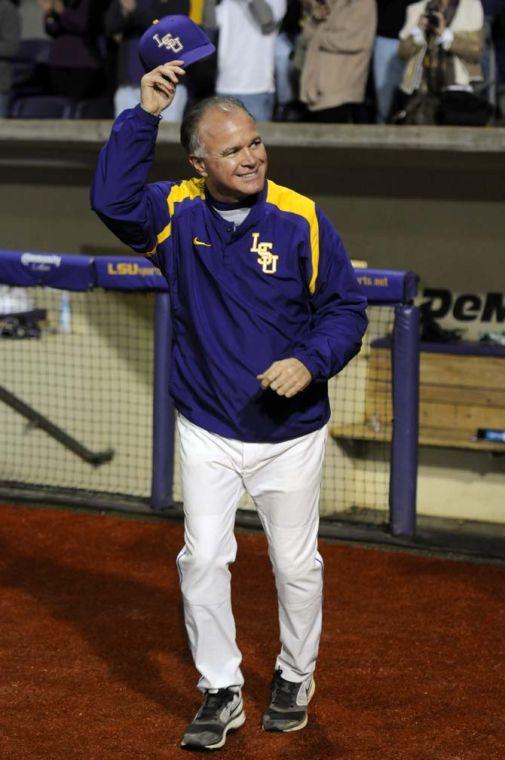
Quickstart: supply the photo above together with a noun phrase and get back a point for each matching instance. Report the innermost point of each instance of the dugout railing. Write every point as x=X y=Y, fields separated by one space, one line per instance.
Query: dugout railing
x=85 y=413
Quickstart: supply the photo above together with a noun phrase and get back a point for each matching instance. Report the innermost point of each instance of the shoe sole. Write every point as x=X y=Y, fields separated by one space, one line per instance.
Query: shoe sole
x=300 y=725
x=233 y=724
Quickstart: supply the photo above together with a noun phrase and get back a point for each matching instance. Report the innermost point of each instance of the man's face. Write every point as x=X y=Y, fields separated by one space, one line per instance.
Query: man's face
x=234 y=161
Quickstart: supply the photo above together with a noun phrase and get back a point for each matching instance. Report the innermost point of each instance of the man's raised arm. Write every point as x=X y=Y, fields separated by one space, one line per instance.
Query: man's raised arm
x=132 y=209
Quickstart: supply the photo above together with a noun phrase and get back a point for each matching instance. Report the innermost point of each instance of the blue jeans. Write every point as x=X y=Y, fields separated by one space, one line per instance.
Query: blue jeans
x=260 y=105
x=388 y=74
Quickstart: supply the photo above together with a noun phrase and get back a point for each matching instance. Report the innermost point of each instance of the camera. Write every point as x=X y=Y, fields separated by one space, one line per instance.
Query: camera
x=431 y=16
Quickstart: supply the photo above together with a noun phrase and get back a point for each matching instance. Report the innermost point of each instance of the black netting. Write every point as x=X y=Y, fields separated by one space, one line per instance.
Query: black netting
x=76 y=384
x=357 y=466
x=81 y=364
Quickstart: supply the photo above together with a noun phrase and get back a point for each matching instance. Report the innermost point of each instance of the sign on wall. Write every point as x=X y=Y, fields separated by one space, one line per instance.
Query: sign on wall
x=474 y=314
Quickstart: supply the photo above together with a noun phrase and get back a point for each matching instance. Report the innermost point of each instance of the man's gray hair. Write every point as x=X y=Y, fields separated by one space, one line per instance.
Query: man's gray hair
x=190 y=138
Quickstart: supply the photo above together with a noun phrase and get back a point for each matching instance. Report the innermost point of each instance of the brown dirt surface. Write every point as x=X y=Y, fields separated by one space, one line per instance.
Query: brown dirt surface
x=95 y=665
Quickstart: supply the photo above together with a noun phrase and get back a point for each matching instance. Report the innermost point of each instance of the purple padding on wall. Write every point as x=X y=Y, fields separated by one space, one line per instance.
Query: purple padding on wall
x=387 y=285
x=75 y=272
x=12 y=272
x=163 y=407
x=405 y=368
x=128 y=273
x=55 y=270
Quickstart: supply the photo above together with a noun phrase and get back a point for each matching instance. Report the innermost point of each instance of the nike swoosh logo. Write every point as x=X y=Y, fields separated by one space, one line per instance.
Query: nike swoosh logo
x=199 y=242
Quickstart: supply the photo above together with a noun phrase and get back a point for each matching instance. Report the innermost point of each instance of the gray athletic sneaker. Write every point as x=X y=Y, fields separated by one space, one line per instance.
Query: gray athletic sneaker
x=222 y=710
x=288 y=709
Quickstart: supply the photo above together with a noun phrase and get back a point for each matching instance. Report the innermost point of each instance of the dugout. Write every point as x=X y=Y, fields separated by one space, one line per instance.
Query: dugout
x=426 y=199
x=85 y=411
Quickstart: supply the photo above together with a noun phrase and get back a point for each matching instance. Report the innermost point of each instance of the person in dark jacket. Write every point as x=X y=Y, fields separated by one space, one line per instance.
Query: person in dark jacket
x=75 y=63
x=125 y=22
x=10 y=32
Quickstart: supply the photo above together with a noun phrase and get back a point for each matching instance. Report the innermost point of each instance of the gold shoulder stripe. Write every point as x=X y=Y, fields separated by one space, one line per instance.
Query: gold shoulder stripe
x=287 y=200
x=189 y=188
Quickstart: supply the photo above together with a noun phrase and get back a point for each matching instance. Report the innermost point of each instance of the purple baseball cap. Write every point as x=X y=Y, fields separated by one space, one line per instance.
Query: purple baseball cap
x=174 y=38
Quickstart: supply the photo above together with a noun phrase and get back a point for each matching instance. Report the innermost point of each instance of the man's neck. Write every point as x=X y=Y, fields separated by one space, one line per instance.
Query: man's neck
x=220 y=201
x=229 y=197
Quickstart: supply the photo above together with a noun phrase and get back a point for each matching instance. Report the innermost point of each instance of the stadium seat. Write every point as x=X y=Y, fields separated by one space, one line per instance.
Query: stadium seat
x=30 y=69
x=94 y=108
x=42 y=107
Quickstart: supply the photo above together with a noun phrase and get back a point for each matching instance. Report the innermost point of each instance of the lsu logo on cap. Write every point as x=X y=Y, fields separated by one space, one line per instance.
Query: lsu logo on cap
x=168 y=37
x=169 y=42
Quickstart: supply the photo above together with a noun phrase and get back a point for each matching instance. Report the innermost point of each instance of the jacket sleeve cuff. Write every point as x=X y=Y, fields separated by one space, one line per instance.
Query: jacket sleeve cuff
x=146 y=117
x=309 y=363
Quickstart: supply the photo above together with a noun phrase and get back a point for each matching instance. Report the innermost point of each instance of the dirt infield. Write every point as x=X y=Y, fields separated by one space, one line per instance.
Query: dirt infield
x=95 y=666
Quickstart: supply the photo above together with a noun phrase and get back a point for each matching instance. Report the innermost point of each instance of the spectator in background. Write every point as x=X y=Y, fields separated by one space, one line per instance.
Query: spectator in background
x=499 y=51
x=387 y=66
x=10 y=33
x=125 y=22
x=333 y=55
x=286 y=78
x=442 y=44
x=493 y=60
x=246 y=48
x=75 y=62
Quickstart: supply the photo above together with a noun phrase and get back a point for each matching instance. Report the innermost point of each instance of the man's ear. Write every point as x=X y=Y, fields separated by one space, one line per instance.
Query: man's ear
x=198 y=165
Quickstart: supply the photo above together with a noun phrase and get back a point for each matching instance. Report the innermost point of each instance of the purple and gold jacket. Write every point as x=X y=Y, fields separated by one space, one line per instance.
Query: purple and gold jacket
x=279 y=285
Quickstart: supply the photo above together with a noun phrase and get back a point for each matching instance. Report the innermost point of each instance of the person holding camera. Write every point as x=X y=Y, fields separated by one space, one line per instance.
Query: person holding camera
x=442 y=44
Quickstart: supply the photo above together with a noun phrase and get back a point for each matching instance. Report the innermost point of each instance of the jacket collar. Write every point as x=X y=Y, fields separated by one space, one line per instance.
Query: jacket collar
x=255 y=202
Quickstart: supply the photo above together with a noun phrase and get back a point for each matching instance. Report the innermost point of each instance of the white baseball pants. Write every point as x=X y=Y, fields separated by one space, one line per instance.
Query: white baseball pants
x=284 y=481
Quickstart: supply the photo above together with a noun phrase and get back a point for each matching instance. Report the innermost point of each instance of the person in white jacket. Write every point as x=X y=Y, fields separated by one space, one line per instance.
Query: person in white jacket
x=246 y=50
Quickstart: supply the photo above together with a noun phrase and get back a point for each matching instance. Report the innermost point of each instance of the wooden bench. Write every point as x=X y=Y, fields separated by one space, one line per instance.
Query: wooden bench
x=458 y=393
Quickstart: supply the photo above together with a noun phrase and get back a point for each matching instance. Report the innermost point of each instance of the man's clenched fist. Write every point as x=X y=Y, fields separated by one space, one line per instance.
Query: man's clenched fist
x=286 y=377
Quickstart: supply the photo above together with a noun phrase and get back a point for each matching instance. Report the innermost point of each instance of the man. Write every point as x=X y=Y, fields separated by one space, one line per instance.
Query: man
x=441 y=44
x=333 y=55
x=265 y=308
